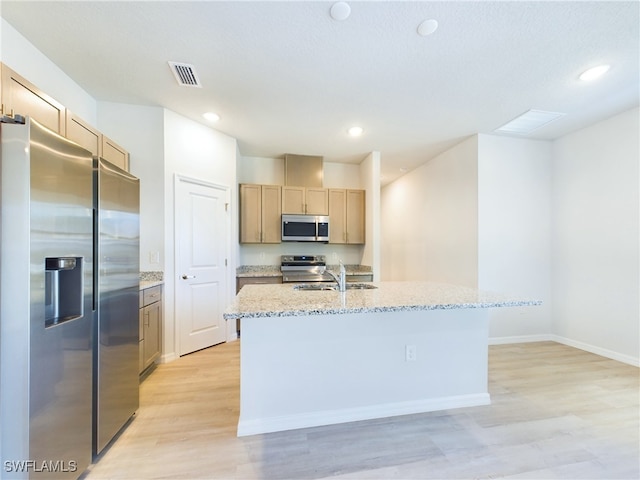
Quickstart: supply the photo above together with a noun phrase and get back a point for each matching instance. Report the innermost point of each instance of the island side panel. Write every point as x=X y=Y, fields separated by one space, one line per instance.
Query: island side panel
x=303 y=371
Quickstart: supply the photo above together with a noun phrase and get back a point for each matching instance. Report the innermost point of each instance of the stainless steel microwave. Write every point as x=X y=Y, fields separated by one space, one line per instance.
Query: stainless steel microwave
x=305 y=228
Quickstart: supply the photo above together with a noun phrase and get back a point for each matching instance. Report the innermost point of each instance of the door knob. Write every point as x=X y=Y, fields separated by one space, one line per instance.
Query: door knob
x=186 y=277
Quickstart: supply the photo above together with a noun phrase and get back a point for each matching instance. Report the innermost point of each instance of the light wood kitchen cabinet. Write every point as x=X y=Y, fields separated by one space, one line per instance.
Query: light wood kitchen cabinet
x=83 y=134
x=305 y=200
x=150 y=318
x=114 y=153
x=21 y=97
x=260 y=213
x=346 y=216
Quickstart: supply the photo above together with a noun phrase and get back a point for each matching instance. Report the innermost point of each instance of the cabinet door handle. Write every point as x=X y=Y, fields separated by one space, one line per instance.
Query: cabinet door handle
x=187 y=277
x=146 y=319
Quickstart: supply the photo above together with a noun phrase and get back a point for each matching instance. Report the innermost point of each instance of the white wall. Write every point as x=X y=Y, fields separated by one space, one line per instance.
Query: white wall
x=430 y=220
x=595 y=237
x=261 y=170
x=514 y=232
x=370 y=177
x=195 y=151
x=21 y=56
x=139 y=129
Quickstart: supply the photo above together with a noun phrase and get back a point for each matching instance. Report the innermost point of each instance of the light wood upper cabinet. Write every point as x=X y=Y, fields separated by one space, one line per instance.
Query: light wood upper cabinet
x=271 y=214
x=114 y=153
x=301 y=200
x=21 y=97
x=355 y=217
x=292 y=200
x=83 y=134
x=337 y=215
x=346 y=216
x=260 y=213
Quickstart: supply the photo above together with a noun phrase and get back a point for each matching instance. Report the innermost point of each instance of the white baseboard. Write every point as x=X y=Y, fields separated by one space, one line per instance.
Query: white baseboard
x=603 y=352
x=520 y=339
x=330 y=417
x=168 y=357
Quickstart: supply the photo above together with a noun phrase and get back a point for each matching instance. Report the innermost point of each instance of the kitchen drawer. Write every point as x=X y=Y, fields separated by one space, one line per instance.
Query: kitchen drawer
x=151 y=295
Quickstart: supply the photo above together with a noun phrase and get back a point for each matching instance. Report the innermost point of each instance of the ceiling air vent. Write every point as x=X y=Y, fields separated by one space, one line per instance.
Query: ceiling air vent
x=185 y=74
x=528 y=122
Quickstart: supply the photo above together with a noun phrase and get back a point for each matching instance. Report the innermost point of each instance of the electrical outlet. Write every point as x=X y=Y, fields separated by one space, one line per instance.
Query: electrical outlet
x=154 y=257
x=410 y=353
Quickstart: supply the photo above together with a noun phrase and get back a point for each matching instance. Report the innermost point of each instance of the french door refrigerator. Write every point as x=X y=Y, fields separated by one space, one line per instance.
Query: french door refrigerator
x=46 y=297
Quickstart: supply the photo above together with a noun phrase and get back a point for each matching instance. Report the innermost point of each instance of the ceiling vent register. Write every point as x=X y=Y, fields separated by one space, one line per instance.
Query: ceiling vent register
x=185 y=74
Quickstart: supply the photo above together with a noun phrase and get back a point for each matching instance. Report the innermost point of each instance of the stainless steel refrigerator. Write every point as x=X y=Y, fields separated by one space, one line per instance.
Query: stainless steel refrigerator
x=117 y=276
x=46 y=304
x=69 y=264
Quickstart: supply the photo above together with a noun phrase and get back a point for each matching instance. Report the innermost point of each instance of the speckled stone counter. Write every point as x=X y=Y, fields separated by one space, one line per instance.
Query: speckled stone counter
x=284 y=300
x=150 y=279
x=258 y=271
x=311 y=358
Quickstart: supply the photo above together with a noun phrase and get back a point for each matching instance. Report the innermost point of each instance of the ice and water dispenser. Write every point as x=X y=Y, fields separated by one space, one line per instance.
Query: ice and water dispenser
x=63 y=289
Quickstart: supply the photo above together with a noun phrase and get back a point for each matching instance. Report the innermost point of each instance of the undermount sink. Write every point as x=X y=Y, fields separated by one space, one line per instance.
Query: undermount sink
x=325 y=286
x=360 y=286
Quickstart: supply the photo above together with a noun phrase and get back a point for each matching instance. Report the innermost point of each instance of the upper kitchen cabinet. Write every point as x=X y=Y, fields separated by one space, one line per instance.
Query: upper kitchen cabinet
x=301 y=200
x=346 y=216
x=260 y=213
x=114 y=153
x=83 y=134
x=21 y=97
x=100 y=145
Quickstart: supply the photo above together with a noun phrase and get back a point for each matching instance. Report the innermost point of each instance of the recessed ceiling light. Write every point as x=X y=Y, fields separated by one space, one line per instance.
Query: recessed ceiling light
x=340 y=11
x=427 y=27
x=528 y=122
x=594 y=73
x=355 y=131
x=212 y=117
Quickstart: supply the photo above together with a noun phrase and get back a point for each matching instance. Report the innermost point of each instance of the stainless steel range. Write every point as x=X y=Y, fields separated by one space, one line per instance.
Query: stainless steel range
x=304 y=268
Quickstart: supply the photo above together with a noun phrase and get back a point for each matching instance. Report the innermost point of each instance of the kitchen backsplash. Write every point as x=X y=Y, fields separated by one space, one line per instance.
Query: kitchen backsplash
x=152 y=276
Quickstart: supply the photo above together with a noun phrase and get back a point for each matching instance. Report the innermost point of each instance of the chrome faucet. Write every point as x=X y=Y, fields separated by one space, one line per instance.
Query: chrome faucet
x=340 y=280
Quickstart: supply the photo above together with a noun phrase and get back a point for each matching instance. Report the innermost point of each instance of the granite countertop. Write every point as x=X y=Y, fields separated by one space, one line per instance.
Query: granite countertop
x=151 y=279
x=274 y=270
x=282 y=300
x=144 y=284
x=258 y=271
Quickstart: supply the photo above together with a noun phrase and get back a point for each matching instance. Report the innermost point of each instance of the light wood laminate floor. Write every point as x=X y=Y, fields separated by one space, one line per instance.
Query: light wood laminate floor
x=556 y=412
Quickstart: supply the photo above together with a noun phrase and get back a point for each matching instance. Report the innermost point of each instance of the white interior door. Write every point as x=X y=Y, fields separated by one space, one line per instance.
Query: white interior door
x=201 y=247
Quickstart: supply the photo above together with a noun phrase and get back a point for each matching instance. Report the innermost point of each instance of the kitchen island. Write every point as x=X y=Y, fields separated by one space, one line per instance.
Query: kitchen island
x=311 y=358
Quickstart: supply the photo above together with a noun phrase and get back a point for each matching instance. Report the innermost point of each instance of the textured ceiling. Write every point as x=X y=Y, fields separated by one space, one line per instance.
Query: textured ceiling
x=287 y=78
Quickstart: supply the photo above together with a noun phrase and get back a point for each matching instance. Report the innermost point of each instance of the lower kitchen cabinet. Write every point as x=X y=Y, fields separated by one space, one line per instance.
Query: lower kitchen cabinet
x=360 y=277
x=150 y=326
x=242 y=281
